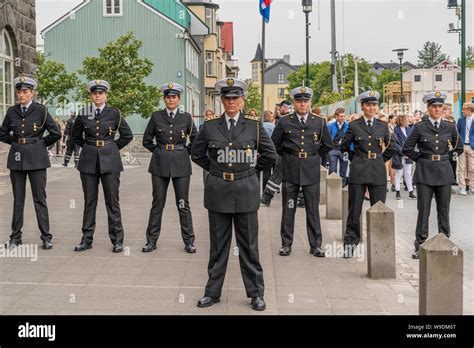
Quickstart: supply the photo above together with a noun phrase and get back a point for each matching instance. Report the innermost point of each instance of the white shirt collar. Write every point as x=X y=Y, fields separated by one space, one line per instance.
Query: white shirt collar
x=236 y=118
x=175 y=111
x=433 y=121
x=305 y=117
x=101 y=108
x=27 y=105
x=372 y=120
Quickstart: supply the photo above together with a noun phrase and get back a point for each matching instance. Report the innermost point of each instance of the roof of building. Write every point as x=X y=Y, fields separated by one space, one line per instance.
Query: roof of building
x=258 y=55
x=393 y=65
x=282 y=61
x=207 y=3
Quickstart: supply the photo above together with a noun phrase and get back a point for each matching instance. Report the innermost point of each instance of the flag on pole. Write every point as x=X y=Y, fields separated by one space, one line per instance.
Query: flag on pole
x=265 y=9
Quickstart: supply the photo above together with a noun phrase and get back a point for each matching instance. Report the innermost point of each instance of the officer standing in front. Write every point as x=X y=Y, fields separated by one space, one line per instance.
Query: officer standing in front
x=301 y=139
x=70 y=146
x=23 y=128
x=227 y=147
x=368 y=143
x=100 y=161
x=174 y=132
x=428 y=145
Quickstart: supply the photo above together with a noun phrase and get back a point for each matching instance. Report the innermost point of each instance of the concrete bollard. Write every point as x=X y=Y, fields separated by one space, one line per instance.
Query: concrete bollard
x=441 y=277
x=381 y=241
x=323 y=173
x=333 y=197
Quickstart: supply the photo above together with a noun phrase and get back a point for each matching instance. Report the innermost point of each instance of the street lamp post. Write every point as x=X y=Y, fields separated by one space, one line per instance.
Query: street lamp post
x=400 y=57
x=307 y=8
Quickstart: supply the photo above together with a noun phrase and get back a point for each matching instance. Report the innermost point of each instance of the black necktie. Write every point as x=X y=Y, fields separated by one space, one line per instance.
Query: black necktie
x=24 y=108
x=436 y=124
x=232 y=127
x=97 y=112
x=302 y=121
x=369 y=123
x=171 y=115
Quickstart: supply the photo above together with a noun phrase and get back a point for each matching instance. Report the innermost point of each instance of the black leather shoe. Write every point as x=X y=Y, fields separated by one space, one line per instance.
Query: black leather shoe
x=349 y=250
x=83 y=247
x=12 y=244
x=415 y=255
x=189 y=248
x=47 y=245
x=411 y=195
x=318 y=252
x=117 y=248
x=285 y=251
x=148 y=247
x=64 y=165
x=207 y=301
x=258 y=303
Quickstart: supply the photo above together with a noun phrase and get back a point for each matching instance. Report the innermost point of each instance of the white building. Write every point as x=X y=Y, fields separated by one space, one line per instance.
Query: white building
x=444 y=77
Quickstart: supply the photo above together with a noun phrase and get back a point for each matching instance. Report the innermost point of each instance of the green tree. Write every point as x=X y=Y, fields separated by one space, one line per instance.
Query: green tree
x=430 y=55
x=120 y=64
x=254 y=98
x=54 y=82
x=365 y=76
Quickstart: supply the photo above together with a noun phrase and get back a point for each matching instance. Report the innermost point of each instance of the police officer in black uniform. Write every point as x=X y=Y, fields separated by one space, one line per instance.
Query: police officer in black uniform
x=70 y=146
x=301 y=138
x=227 y=147
x=429 y=144
x=274 y=181
x=95 y=131
x=23 y=128
x=174 y=132
x=368 y=143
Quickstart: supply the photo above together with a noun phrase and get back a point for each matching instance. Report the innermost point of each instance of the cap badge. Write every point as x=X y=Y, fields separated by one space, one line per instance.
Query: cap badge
x=230 y=82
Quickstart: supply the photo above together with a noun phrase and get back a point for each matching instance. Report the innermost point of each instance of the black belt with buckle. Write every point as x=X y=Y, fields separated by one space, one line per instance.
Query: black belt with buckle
x=171 y=147
x=303 y=155
x=232 y=176
x=99 y=143
x=370 y=155
x=24 y=141
x=435 y=157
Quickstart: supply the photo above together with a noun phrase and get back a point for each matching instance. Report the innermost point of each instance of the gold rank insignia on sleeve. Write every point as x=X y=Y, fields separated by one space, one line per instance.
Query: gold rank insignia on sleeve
x=215 y=117
x=253 y=118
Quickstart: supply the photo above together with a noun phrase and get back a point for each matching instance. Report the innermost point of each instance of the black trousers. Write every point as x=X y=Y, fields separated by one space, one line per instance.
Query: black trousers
x=289 y=202
x=356 y=200
x=181 y=192
x=71 y=147
x=246 y=235
x=442 y=196
x=90 y=187
x=37 y=180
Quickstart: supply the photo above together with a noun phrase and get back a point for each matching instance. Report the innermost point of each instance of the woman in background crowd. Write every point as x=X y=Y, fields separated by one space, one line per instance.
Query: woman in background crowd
x=400 y=163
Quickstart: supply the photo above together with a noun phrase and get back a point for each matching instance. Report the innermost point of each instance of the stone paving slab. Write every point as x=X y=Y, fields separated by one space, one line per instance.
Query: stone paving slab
x=170 y=281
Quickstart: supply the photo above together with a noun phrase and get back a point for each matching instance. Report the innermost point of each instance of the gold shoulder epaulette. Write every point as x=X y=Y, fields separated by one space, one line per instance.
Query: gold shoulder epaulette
x=215 y=117
x=253 y=118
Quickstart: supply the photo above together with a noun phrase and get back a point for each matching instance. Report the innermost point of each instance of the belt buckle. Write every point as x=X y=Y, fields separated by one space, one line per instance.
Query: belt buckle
x=100 y=143
x=436 y=157
x=22 y=141
x=372 y=155
x=303 y=155
x=228 y=176
x=169 y=147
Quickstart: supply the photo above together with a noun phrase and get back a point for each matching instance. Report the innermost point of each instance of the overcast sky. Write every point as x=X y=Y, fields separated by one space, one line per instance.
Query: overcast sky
x=367 y=28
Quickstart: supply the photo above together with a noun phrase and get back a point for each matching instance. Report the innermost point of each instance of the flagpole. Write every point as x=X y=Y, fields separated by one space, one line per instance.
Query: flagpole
x=263 y=67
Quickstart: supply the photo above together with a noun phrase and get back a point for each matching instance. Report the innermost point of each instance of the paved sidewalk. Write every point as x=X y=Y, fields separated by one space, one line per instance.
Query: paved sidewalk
x=170 y=281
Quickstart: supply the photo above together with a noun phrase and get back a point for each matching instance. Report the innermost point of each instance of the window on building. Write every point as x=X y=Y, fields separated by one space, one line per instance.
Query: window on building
x=7 y=98
x=209 y=19
x=113 y=8
x=281 y=92
x=438 y=78
x=281 y=78
x=221 y=70
x=255 y=72
x=417 y=78
x=192 y=60
x=458 y=76
x=210 y=64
